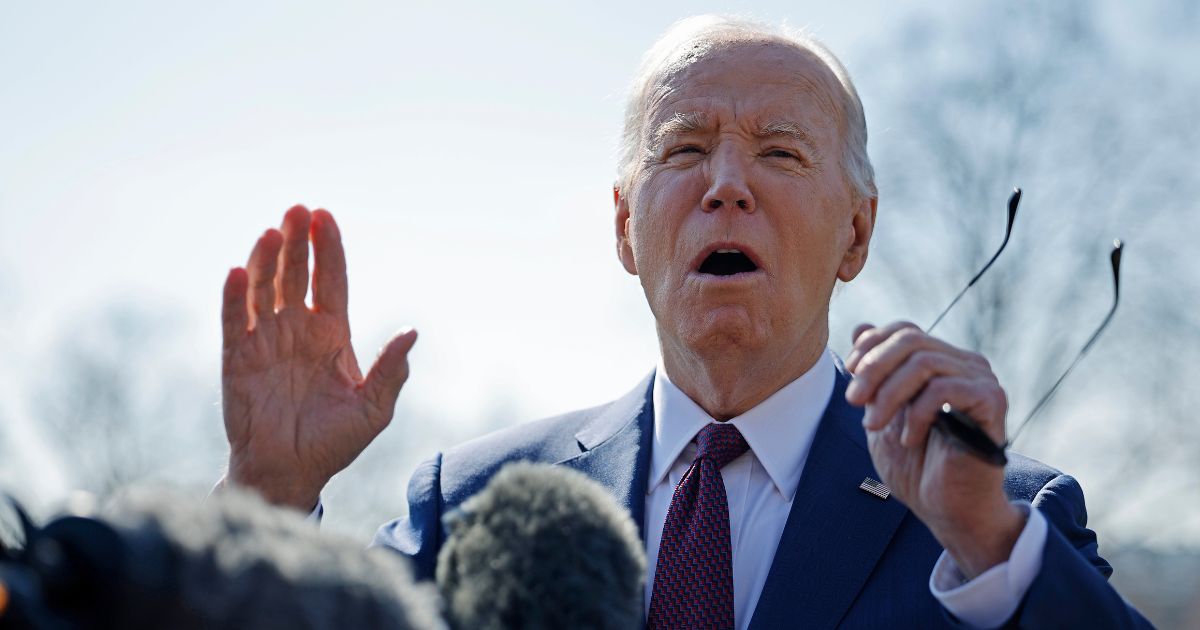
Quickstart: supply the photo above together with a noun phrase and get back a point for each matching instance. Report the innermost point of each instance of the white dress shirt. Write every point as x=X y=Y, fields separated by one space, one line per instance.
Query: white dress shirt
x=761 y=484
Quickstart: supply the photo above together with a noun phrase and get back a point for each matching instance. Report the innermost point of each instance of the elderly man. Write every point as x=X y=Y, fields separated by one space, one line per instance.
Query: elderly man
x=744 y=194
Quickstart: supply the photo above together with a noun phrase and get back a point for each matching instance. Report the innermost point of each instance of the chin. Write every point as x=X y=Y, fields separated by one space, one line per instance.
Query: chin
x=726 y=329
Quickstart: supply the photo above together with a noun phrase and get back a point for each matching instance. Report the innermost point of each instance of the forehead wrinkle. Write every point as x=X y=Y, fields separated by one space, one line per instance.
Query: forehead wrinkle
x=692 y=121
x=822 y=91
x=797 y=67
x=806 y=72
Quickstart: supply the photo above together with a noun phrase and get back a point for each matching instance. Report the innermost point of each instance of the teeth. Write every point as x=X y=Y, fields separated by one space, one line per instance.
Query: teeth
x=729 y=251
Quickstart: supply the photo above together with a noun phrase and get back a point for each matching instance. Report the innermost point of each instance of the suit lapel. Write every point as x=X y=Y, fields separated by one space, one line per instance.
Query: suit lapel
x=835 y=532
x=616 y=449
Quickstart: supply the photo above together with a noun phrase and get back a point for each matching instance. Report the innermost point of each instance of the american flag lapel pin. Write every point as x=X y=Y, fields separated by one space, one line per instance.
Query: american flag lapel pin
x=876 y=488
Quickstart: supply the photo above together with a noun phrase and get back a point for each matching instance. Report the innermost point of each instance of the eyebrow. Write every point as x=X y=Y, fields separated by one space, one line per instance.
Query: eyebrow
x=690 y=122
x=680 y=123
x=790 y=129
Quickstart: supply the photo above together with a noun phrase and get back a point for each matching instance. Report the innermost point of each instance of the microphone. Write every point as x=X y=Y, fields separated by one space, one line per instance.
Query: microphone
x=541 y=546
x=155 y=560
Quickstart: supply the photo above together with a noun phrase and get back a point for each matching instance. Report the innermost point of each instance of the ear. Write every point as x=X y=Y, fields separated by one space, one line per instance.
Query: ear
x=862 y=225
x=624 y=249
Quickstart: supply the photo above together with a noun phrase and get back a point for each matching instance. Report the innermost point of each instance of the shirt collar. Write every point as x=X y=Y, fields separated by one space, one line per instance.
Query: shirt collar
x=779 y=430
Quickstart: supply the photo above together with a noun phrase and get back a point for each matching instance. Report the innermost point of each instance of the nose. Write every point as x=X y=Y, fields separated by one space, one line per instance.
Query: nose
x=728 y=184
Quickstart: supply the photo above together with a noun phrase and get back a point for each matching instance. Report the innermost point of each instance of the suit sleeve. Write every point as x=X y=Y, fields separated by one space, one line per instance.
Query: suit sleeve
x=1072 y=589
x=418 y=535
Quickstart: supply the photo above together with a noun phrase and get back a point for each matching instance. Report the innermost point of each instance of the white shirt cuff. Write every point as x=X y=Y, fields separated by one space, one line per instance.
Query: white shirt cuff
x=992 y=597
x=315 y=516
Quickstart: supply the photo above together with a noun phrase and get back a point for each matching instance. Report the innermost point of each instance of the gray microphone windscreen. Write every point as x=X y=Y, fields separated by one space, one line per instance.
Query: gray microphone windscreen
x=542 y=547
x=237 y=562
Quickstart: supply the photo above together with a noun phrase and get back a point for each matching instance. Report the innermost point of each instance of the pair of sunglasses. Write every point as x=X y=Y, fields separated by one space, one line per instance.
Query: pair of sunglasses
x=962 y=428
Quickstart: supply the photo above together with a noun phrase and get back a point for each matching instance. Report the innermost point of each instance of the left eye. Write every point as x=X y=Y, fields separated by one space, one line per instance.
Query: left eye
x=782 y=153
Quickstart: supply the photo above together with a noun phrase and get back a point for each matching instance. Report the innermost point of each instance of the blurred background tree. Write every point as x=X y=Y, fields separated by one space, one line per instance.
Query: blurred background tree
x=1100 y=134
x=1043 y=96
x=123 y=406
x=1090 y=107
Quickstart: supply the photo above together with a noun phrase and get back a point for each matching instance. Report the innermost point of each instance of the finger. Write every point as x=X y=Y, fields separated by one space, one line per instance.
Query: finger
x=261 y=268
x=235 y=318
x=329 y=270
x=858 y=393
x=866 y=340
x=981 y=399
x=388 y=375
x=855 y=355
x=880 y=361
x=887 y=437
x=908 y=379
x=293 y=260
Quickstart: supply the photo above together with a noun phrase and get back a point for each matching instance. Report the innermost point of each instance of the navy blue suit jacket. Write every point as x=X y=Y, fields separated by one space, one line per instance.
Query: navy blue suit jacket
x=845 y=559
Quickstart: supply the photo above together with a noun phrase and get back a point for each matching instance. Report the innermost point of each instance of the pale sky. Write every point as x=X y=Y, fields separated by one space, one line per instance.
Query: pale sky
x=467 y=152
x=466 y=149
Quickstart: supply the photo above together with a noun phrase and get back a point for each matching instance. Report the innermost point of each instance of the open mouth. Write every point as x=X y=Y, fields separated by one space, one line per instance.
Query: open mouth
x=727 y=262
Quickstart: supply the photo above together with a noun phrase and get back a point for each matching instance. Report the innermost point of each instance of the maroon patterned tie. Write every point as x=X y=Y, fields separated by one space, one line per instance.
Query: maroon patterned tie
x=693 y=580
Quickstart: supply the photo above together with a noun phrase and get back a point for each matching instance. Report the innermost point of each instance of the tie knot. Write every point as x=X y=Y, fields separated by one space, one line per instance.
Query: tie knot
x=721 y=443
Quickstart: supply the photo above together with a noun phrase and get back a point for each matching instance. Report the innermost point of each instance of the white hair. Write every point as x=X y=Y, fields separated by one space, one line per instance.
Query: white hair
x=689 y=40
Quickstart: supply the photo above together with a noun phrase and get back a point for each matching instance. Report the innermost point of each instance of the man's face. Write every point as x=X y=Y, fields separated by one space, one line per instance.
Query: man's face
x=741 y=220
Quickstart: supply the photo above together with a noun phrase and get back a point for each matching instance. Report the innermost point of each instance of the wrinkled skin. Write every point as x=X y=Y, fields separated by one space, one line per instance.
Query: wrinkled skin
x=743 y=151
x=903 y=376
x=297 y=408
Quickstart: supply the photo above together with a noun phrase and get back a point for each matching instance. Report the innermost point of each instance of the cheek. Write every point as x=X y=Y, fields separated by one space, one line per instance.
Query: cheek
x=815 y=254
x=647 y=238
x=660 y=216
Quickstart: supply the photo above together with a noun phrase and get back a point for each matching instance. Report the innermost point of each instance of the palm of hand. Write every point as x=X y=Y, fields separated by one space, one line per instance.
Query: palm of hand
x=291 y=393
x=297 y=408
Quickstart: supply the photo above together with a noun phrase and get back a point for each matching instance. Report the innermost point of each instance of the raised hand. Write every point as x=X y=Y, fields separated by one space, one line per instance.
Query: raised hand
x=297 y=408
x=903 y=376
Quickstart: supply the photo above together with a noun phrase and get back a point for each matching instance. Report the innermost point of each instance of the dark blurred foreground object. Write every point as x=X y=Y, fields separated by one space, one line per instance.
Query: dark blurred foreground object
x=542 y=546
x=157 y=561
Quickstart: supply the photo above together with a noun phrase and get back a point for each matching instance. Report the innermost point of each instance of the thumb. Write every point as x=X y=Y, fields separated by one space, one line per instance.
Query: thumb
x=388 y=374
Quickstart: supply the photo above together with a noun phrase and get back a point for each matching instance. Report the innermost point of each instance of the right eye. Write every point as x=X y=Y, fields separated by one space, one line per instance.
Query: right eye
x=685 y=149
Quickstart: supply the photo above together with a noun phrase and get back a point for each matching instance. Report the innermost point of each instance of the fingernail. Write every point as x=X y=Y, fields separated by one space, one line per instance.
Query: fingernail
x=853 y=390
x=867 y=420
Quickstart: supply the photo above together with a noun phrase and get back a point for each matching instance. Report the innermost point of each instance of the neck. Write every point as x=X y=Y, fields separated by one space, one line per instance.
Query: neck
x=729 y=381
